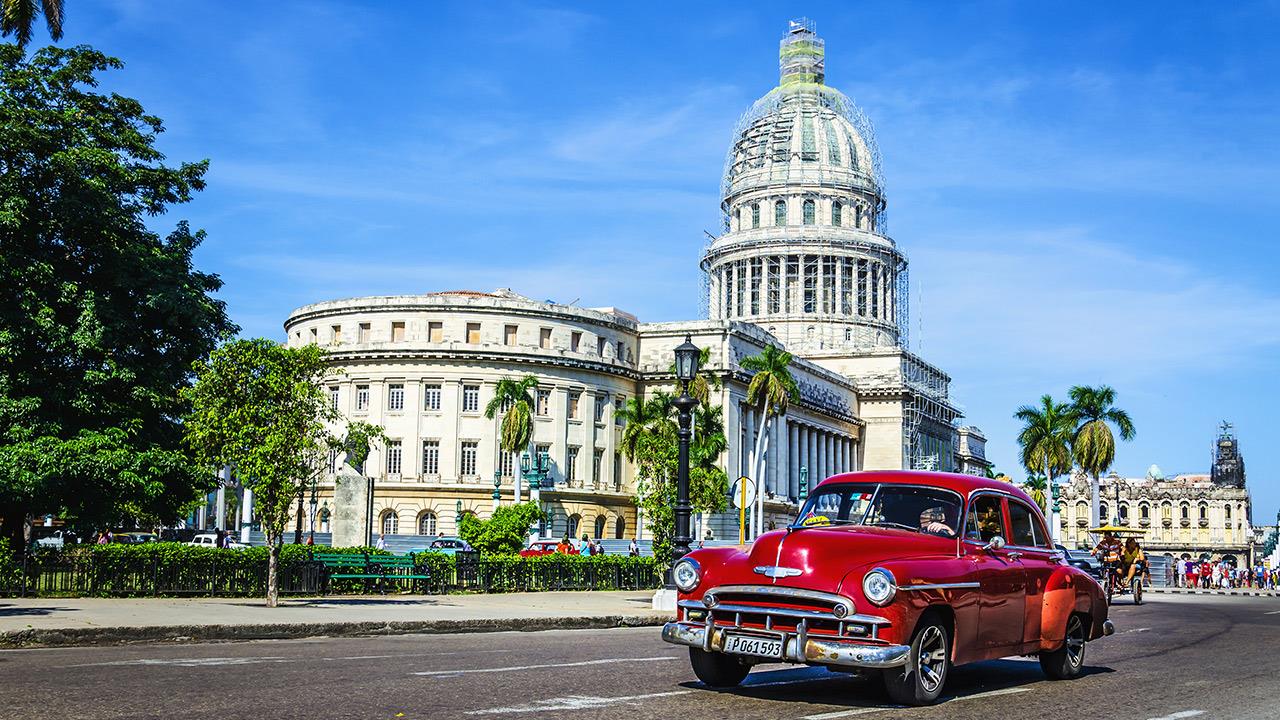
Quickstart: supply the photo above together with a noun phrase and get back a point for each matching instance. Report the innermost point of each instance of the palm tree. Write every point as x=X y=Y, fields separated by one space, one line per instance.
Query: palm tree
x=513 y=399
x=1094 y=447
x=770 y=390
x=644 y=419
x=17 y=17
x=1035 y=486
x=703 y=383
x=1046 y=440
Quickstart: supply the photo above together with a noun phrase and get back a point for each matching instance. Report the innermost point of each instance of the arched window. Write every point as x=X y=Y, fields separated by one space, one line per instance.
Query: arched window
x=1186 y=512
x=1102 y=512
x=1166 y=511
x=427 y=523
x=780 y=213
x=1144 y=511
x=600 y=524
x=837 y=214
x=810 y=212
x=390 y=523
x=1227 y=509
x=755 y=215
x=574 y=520
x=741 y=217
x=1124 y=513
x=1204 y=511
x=619 y=529
x=857 y=216
x=848 y=334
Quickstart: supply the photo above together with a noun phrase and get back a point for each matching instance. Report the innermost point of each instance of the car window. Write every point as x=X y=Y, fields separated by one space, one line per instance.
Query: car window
x=1022 y=525
x=986 y=518
x=908 y=507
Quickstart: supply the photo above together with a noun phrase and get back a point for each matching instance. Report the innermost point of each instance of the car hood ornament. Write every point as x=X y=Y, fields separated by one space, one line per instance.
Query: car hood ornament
x=776 y=571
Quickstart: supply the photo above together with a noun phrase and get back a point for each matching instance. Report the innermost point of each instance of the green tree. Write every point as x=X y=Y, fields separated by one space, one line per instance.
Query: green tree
x=360 y=438
x=1036 y=486
x=1093 y=412
x=100 y=317
x=18 y=18
x=504 y=532
x=771 y=389
x=1045 y=439
x=514 y=400
x=259 y=407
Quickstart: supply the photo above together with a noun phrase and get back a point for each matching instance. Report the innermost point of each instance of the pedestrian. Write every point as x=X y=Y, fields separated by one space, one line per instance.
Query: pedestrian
x=585 y=548
x=634 y=548
x=1193 y=574
x=382 y=544
x=564 y=546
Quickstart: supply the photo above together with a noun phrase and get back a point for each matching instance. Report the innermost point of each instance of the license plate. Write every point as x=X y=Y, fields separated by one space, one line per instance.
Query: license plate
x=750 y=645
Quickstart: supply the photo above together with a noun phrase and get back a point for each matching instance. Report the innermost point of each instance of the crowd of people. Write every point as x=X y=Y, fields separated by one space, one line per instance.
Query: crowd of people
x=1224 y=575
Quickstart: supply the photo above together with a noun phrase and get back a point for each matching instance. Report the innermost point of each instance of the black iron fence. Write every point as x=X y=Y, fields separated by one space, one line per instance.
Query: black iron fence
x=233 y=573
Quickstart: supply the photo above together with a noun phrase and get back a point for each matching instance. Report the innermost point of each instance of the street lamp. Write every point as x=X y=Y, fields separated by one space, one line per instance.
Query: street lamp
x=315 y=503
x=686 y=370
x=497 y=483
x=457 y=518
x=535 y=468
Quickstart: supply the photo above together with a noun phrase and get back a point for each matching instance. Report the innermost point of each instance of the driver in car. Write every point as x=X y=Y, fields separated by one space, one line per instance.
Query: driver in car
x=932 y=521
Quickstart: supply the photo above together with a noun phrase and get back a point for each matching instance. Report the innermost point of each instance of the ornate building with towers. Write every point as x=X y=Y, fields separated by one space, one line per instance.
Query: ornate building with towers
x=805 y=262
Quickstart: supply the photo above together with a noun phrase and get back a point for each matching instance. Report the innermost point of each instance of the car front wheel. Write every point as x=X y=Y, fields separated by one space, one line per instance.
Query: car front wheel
x=920 y=681
x=1067 y=661
x=716 y=669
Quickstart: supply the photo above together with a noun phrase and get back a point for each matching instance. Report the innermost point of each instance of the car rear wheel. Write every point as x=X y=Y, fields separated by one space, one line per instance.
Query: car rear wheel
x=920 y=681
x=1067 y=661
x=716 y=669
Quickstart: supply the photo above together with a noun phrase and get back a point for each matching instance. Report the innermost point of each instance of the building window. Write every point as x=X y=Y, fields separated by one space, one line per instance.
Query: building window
x=435 y=332
x=780 y=213
x=333 y=461
x=431 y=458
x=314 y=336
x=617 y=410
x=427 y=523
x=395 y=397
x=601 y=404
x=833 y=142
x=571 y=471
x=810 y=212
x=362 y=397
x=506 y=464
x=509 y=335
x=575 y=339
x=619 y=529
x=600 y=343
x=397 y=332
x=621 y=349
x=335 y=334
x=808 y=141
x=597 y=461
x=470 y=448
x=362 y=334
x=473 y=333
x=574 y=520
x=470 y=398
x=601 y=522
x=394 y=456
x=837 y=214
x=575 y=399
x=543 y=403
x=544 y=338
x=333 y=397
x=1144 y=512
x=755 y=215
x=390 y=523
x=617 y=470
x=1185 y=513
x=431 y=396
x=1204 y=512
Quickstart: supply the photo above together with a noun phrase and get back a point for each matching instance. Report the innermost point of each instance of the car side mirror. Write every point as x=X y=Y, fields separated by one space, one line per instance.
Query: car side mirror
x=995 y=543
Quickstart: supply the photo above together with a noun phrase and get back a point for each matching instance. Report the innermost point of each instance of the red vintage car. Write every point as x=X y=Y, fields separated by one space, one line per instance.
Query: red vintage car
x=905 y=574
x=538 y=548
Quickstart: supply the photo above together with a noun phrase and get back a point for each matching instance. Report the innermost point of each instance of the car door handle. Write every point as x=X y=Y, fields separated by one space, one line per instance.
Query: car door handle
x=1015 y=555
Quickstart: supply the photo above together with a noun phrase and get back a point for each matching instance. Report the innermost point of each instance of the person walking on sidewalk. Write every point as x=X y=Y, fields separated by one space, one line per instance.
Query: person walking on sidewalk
x=634 y=548
x=382 y=543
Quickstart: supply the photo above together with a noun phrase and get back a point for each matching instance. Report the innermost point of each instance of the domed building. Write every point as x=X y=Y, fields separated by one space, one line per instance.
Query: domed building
x=805 y=262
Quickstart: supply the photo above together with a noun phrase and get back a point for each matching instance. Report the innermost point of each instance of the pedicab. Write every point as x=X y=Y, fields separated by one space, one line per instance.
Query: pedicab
x=1114 y=570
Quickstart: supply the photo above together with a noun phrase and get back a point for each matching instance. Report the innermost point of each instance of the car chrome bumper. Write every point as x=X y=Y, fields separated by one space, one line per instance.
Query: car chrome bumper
x=1108 y=628
x=817 y=650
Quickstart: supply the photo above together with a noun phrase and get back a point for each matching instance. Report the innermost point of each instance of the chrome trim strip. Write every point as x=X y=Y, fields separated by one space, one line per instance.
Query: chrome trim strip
x=776 y=571
x=941 y=586
x=792 y=612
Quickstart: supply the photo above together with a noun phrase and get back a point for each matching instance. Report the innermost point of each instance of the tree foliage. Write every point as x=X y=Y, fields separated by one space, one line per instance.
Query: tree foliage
x=650 y=442
x=1045 y=441
x=1094 y=411
x=513 y=399
x=18 y=18
x=361 y=437
x=259 y=407
x=504 y=532
x=100 y=317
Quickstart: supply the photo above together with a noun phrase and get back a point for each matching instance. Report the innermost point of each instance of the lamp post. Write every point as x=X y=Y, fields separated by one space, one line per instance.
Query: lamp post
x=804 y=483
x=497 y=484
x=535 y=469
x=686 y=371
x=315 y=503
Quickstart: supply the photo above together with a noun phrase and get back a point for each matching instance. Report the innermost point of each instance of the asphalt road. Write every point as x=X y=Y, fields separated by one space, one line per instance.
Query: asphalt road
x=1172 y=658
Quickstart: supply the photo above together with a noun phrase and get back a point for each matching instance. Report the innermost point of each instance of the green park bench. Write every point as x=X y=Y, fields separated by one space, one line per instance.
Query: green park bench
x=383 y=568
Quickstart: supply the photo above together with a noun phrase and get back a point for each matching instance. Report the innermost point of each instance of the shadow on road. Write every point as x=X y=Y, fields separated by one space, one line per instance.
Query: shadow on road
x=342 y=602
x=820 y=686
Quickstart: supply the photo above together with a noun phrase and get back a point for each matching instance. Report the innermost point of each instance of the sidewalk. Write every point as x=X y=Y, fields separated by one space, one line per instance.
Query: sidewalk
x=1206 y=591
x=26 y=622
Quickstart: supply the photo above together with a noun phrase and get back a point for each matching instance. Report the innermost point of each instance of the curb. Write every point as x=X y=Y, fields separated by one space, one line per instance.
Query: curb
x=1201 y=591
x=106 y=636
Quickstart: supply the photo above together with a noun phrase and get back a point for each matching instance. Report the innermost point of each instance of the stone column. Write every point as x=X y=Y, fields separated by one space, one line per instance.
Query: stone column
x=793 y=460
x=246 y=515
x=782 y=473
x=220 y=503
x=811 y=455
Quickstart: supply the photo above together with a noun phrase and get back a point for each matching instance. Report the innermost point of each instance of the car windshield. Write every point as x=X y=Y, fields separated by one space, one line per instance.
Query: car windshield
x=906 y=507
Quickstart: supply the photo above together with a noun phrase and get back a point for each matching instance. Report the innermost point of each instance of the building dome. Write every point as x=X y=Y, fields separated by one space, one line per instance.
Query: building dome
x=1155 y=473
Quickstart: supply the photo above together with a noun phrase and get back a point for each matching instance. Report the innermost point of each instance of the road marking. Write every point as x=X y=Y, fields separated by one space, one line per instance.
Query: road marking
x=868 y=710
x=575 y=702
x=1273 y=612
x=188 y=662
x=516 y=668
x=1122 y=632
x=1180 y=715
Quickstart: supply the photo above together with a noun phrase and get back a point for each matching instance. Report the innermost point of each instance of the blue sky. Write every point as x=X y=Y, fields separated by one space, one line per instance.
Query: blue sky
x=1087 y=191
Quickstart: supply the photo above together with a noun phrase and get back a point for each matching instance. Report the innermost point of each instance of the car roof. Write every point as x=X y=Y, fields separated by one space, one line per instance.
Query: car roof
x=963 y=484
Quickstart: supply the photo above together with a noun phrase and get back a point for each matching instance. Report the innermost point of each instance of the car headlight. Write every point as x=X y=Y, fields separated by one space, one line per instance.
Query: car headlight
x=879 y=586
x=687 y=573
